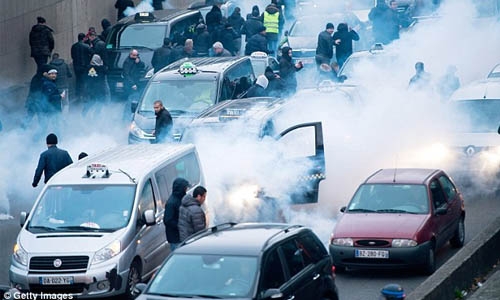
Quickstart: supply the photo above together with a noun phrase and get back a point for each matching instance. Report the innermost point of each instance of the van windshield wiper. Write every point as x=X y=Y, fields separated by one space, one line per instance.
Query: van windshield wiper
x=360 y=210
x=83 y=228
x=42 y=228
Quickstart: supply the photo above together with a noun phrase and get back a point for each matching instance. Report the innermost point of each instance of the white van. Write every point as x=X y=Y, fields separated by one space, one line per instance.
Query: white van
x=97 y=228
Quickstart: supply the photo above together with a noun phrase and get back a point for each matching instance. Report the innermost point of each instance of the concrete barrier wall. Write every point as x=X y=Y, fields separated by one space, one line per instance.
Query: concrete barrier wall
x=474 y=260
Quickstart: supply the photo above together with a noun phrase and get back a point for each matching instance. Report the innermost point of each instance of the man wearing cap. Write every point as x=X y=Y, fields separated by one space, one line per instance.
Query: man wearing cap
x=51 y=160
x=257 y=42
x=324 y=50
x=219 y=50
x=51 y=93
x=41 y=42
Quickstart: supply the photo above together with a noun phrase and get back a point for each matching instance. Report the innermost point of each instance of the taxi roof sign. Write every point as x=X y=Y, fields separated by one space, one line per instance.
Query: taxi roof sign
x=188 y=68
x=258 y=54
x=229 y=114
x=97 y=169
x=144 y=17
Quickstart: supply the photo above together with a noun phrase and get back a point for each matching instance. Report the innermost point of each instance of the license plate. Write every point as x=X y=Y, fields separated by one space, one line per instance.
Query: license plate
x=57 y=280
x=371 y=253
x=119 y=84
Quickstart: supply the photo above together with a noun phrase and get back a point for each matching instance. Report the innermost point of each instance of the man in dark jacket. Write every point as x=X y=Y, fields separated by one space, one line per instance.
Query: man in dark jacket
x=214 y=17
x=259 y=88
x=132 y=70
x=324 y=50
x=257 y=42
x=163 y=122
x=252 y=24
x=228 y=37
x=275 y=85
x=236 y=21
x=202 y=40
x=81 y=55
x=51 y=160
x=288 y=70
x=106 y=28
x=51 y=93
x=171 y=215
x=122 y=5
x=63 y=72
x=97 y=46
x=191 y=216
x=343 y=42
x=41 y=42
x=163 y=56
x=382 y=20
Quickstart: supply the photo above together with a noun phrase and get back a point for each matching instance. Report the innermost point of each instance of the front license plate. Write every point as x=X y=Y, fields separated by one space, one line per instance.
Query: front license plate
x=371 y=253
x=57 y=280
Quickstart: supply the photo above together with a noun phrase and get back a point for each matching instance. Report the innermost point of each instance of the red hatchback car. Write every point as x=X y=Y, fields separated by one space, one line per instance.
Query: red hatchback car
x=398 y=218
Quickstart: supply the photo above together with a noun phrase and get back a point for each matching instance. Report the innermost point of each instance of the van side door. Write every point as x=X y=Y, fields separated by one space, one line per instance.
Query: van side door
x=304 y=145
x=152 y=247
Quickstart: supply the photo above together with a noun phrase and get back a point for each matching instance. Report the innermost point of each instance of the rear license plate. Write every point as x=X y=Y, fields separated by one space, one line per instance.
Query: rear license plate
x=371 y=253
x=57 y=280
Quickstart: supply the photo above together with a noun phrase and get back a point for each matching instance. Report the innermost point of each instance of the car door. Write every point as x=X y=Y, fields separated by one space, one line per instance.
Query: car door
x=454 y=209
x=307 y=137
x=441 y=221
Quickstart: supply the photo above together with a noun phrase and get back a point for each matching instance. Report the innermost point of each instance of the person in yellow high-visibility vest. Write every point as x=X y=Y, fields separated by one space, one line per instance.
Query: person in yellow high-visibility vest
x=273 y=21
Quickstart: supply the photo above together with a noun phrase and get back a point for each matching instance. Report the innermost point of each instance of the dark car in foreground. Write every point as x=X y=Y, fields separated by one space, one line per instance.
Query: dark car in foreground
x=399 y=218
x=246 y=261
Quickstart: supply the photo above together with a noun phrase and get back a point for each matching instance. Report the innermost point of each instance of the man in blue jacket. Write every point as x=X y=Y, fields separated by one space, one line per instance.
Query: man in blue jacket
x=51 y=160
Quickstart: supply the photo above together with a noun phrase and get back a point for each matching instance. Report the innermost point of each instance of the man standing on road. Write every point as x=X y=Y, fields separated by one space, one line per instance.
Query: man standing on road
x=171 y=216
x=191 y=216
x=324 y=50
x=343 y=42
x=51 y=160
x=41 y=42
x=80 y=54
x=163 y=123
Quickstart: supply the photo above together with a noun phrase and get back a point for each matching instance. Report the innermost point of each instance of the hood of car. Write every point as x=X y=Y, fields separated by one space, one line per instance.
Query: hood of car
x=378 y=225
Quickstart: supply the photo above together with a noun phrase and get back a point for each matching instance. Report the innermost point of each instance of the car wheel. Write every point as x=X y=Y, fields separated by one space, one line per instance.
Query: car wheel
x=430 y=266
x=134 y=277
x=458 y=238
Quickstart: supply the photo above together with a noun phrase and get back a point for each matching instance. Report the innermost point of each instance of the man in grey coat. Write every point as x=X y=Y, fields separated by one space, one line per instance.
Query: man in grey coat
x=191 y=215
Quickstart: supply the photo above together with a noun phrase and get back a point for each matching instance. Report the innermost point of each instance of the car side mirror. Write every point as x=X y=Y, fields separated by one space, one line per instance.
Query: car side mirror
x=498 y=129
x=133 y=106
x=441 y=211
x=343 y=208
x=272 y=294
x=286 y=32
x=138 y=289
x=149 y=217
x=22 y=218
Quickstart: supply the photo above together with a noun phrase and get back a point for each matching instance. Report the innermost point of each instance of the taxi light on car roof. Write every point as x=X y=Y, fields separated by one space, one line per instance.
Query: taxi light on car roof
x=258 y=54
x=188 y=68
x=377 y=47
x=144 y=17
x=97 y=169
x=229 y=114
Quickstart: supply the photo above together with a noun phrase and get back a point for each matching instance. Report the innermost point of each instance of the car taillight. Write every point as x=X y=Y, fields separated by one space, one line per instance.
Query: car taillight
x=333 y=271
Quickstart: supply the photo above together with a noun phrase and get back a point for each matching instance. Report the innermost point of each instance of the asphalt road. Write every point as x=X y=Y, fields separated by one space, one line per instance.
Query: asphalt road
x=353 y=285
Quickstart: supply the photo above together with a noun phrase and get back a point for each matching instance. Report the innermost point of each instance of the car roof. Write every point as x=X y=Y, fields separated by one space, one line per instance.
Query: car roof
x=163 y=15
x=478 y=90
x=203 y=64
x=248 y=239
x=136 y=160
x=401 y=176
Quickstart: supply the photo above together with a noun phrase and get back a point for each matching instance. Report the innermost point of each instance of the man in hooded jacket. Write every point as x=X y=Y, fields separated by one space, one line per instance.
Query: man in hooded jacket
x=252 y=24
x=191 y=216
x=259 y=88
x=41 y=42
x=171 y=215
x=343 y=42
x=288 y=70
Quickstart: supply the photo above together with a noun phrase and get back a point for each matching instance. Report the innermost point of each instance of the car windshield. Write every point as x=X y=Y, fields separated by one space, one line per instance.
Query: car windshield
x=142 y=35
x=390 y=198
x=207 y=276
x=311 y=26
x=180 y=96
x=478 y=115
x=83 y=208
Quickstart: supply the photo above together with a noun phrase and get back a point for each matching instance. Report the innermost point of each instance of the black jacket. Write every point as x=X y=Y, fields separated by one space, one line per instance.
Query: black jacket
x=251 y=27
x=325 y=45
x=257 y=42
x=288 y=70
x=202 y=42
x=256 y=91
x=51 y=161
x=191 y=217
x=96 y=82
x=163 y=125
x=213 y=18
x=98 y=46
x=121 y=5
x=344 y=49
x=236 y=21
x=63 y=73
x=227 y=37
x=52 y=96
x=41 y=40
x=81 y=55
x=162 y=57
x=132 y=72
x=171 y=215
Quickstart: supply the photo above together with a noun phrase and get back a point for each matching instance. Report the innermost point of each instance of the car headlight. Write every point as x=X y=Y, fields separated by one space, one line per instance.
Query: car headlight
x=20 y=255
x=137 y=131
x=150 y=73
x=342 y=242
x=107 y=252
x=399 y=243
